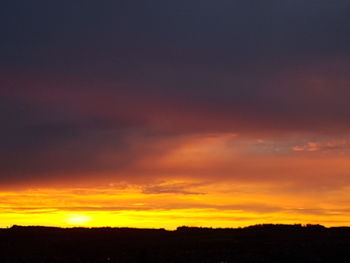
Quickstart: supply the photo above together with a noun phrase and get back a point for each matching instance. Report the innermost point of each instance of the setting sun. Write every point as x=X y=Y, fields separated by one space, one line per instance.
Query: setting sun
x=78 y=219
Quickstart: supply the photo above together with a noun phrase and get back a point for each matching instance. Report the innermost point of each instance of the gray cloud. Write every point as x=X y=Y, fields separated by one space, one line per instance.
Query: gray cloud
x=81 y=81
x=177 y=188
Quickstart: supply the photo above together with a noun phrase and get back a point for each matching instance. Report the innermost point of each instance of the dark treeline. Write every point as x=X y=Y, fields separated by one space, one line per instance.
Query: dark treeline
x=260 y=243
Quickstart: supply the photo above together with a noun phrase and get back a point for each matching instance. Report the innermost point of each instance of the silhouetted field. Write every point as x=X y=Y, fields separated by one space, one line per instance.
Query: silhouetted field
x=263 y=243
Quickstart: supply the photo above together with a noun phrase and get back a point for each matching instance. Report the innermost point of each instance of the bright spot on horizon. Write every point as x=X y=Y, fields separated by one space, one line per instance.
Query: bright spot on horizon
x=78 y=219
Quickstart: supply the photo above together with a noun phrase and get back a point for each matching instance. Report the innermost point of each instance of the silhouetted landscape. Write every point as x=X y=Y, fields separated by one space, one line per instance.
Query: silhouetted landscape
x=259 y=243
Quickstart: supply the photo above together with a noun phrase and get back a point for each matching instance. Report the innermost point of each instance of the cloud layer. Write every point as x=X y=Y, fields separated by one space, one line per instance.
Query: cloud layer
x=197 y=92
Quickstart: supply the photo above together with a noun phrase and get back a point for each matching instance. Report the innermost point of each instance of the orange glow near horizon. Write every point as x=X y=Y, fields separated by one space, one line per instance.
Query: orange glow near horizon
x=132 y=208
x=209 y=181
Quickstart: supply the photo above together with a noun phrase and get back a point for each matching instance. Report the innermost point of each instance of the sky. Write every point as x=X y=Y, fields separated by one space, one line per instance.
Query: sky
x=165 y=113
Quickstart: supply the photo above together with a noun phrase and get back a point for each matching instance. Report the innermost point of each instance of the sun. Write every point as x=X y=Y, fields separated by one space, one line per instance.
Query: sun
x=78 y=219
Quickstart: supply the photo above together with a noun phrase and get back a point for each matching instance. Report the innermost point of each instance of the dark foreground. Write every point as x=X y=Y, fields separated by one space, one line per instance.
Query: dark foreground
x=268 y=243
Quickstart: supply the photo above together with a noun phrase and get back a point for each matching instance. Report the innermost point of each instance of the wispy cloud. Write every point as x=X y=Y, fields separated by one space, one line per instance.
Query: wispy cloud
x=322 y=146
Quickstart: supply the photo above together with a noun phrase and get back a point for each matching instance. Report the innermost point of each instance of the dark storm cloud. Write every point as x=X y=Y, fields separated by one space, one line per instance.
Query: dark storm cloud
x=80 y=78
x=64 y=35
x=39 y=142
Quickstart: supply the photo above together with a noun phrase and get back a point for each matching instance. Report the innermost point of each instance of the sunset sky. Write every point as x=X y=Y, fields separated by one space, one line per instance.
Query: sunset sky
x=165 y=113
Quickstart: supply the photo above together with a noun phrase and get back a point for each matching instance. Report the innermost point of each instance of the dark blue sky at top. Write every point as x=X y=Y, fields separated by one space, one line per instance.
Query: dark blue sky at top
x=63 y=37
x=70 y=70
